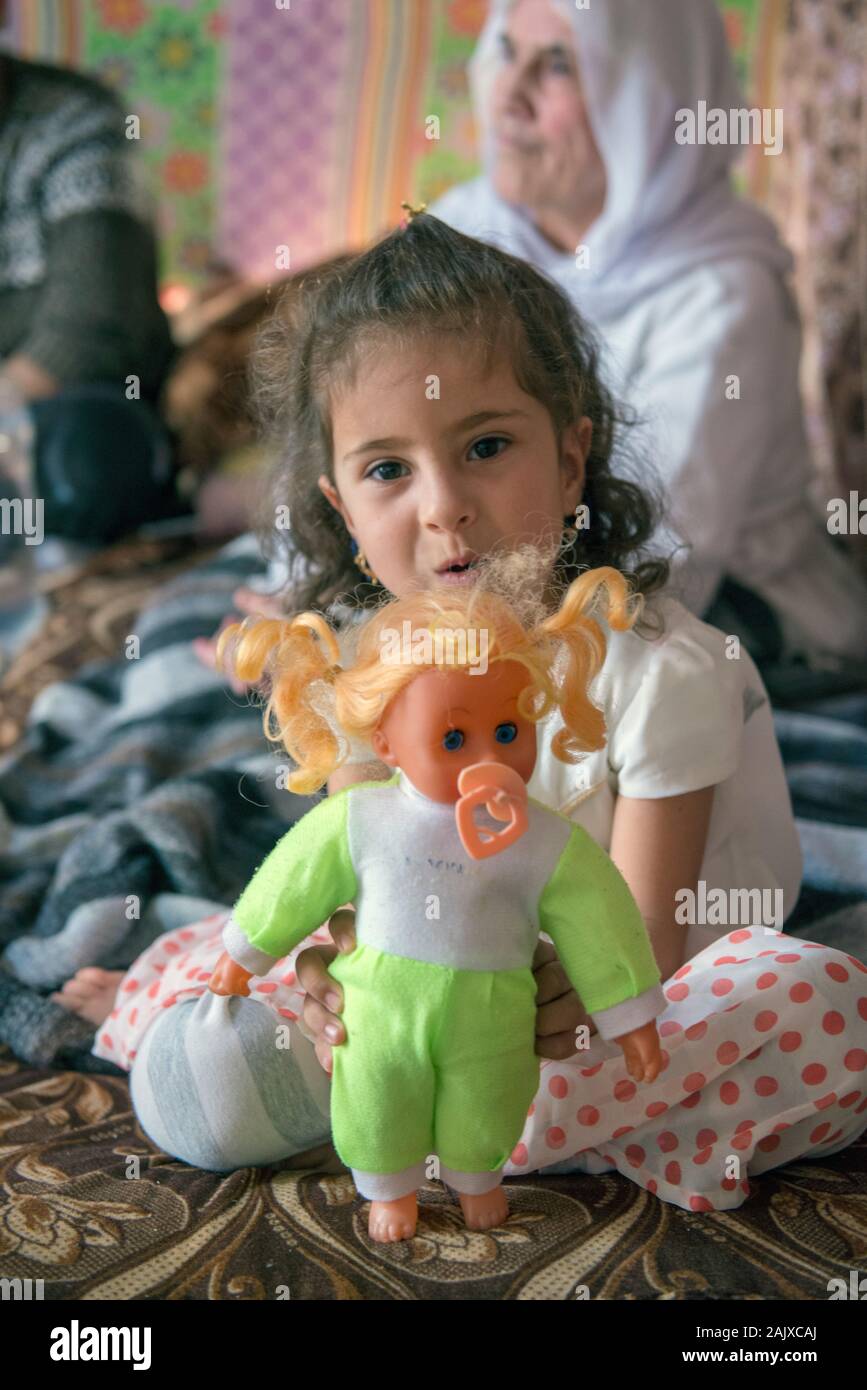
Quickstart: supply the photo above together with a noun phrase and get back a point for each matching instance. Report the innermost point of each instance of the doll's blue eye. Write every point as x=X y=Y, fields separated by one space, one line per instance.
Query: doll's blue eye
x=453 y=739
x=506 y=733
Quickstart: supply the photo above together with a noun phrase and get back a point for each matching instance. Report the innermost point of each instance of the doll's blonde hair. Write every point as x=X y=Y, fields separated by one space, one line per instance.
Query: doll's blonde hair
x=311 y=693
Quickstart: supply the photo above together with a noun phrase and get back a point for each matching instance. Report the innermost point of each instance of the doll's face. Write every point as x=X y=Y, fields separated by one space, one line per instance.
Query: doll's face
x=444 y=721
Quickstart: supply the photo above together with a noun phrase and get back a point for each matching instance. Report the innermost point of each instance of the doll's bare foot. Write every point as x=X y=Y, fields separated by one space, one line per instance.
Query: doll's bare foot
x=393 y=1220
x=90 y=993
x=483 y=1212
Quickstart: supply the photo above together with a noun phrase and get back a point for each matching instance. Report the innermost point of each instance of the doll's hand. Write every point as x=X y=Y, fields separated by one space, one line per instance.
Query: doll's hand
x=324 y=995
x=249 y=602
x=229 y=977
x=641 y=1052
x=559 y=1011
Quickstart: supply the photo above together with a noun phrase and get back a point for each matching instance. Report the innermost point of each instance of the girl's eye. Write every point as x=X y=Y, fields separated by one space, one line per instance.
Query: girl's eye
x=388 y=463
x=453 y=739
x=505 y=733
x=485 y=445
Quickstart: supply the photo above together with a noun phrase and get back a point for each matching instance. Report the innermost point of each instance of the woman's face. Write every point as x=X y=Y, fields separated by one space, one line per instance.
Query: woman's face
x=438 y=458
x=545 y=153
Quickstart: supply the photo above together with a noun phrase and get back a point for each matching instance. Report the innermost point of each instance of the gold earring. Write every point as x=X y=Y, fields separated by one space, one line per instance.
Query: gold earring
x=363 y=565
x=570 y=533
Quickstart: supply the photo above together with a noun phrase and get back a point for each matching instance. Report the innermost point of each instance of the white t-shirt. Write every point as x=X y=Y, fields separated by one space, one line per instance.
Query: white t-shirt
x=681 y=715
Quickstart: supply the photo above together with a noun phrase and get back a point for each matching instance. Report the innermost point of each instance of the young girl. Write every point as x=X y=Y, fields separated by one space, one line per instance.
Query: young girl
x=438 y=401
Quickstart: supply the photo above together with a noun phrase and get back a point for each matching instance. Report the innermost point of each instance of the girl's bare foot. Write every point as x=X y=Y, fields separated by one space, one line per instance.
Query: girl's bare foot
x=393 y=1220
x=90 y=993
x=483 y=1212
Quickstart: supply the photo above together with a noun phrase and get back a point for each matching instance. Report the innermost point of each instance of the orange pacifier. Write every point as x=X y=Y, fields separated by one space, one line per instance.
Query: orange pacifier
x=505 y=795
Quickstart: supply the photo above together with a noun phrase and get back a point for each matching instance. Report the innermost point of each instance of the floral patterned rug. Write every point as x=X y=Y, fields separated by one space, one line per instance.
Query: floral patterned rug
x=89 y=1205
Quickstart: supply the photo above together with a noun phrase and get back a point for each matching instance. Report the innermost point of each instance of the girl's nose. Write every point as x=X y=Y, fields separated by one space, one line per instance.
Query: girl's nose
x=446 y=509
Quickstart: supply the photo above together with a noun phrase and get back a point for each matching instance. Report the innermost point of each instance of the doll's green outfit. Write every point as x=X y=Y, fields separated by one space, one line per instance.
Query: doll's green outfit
x=439 y=992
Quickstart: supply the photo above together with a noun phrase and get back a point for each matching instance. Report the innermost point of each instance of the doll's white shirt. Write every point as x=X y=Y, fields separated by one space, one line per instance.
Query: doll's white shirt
x=681 y=714
x=420 y=895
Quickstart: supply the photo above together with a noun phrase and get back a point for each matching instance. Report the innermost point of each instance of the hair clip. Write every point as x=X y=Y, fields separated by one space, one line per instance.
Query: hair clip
x=411 y=212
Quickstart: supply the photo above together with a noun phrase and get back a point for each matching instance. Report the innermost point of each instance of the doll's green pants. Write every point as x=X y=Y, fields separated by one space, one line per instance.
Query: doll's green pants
x=436 y=1061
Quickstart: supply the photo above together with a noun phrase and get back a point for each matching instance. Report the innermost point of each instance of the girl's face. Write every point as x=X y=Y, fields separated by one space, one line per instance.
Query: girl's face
x=437 y=461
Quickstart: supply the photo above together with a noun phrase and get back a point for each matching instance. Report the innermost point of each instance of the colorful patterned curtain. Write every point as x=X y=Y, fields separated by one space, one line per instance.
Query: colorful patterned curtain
x=165 y=61
x=274 y=138
x=818 y=195
x=301 y=127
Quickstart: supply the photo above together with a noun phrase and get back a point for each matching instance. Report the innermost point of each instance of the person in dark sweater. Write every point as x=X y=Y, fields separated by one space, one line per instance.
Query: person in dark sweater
x=84 y=344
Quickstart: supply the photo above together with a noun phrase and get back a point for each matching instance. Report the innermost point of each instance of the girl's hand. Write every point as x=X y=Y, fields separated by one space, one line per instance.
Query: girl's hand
x=248 y=601
x=324 y=995
x=229 y=977
x=559 y=1011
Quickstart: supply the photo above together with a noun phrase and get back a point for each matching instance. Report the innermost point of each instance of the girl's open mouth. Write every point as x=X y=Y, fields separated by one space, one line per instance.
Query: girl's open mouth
x=459 y=571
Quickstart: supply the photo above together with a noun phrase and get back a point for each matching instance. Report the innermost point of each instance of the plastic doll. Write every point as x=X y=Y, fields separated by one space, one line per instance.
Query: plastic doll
x=439 y=990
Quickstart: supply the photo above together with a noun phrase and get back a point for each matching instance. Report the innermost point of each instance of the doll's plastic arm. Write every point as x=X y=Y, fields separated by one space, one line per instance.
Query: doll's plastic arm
x=642 y=1052
x=229 y=977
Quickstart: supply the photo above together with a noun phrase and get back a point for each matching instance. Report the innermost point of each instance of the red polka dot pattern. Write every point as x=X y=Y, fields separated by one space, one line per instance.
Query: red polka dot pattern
x=177 y=967
x=728 y=1075
x=807 y=1049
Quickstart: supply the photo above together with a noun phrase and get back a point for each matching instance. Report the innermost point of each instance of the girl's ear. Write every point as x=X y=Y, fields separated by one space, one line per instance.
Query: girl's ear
x=329 y=491
x=575 y=444
x=382 y=748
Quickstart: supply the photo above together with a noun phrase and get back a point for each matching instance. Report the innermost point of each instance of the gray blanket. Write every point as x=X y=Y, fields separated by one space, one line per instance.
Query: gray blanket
x=143 y=795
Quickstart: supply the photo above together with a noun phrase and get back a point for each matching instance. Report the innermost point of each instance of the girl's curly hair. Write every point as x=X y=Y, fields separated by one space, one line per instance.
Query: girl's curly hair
x=314 y=699
x=428 y=278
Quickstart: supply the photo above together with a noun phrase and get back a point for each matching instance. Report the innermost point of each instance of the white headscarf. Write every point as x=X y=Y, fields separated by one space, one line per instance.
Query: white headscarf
x=669 y=207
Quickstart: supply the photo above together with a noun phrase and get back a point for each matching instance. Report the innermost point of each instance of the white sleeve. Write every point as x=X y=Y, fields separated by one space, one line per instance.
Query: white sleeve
x=630 y=1014
x=682 y=729
x=712 y=453
x=238 y=946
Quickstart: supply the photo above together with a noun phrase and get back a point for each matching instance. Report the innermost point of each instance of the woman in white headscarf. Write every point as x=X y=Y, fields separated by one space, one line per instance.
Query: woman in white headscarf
x=586 y=178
